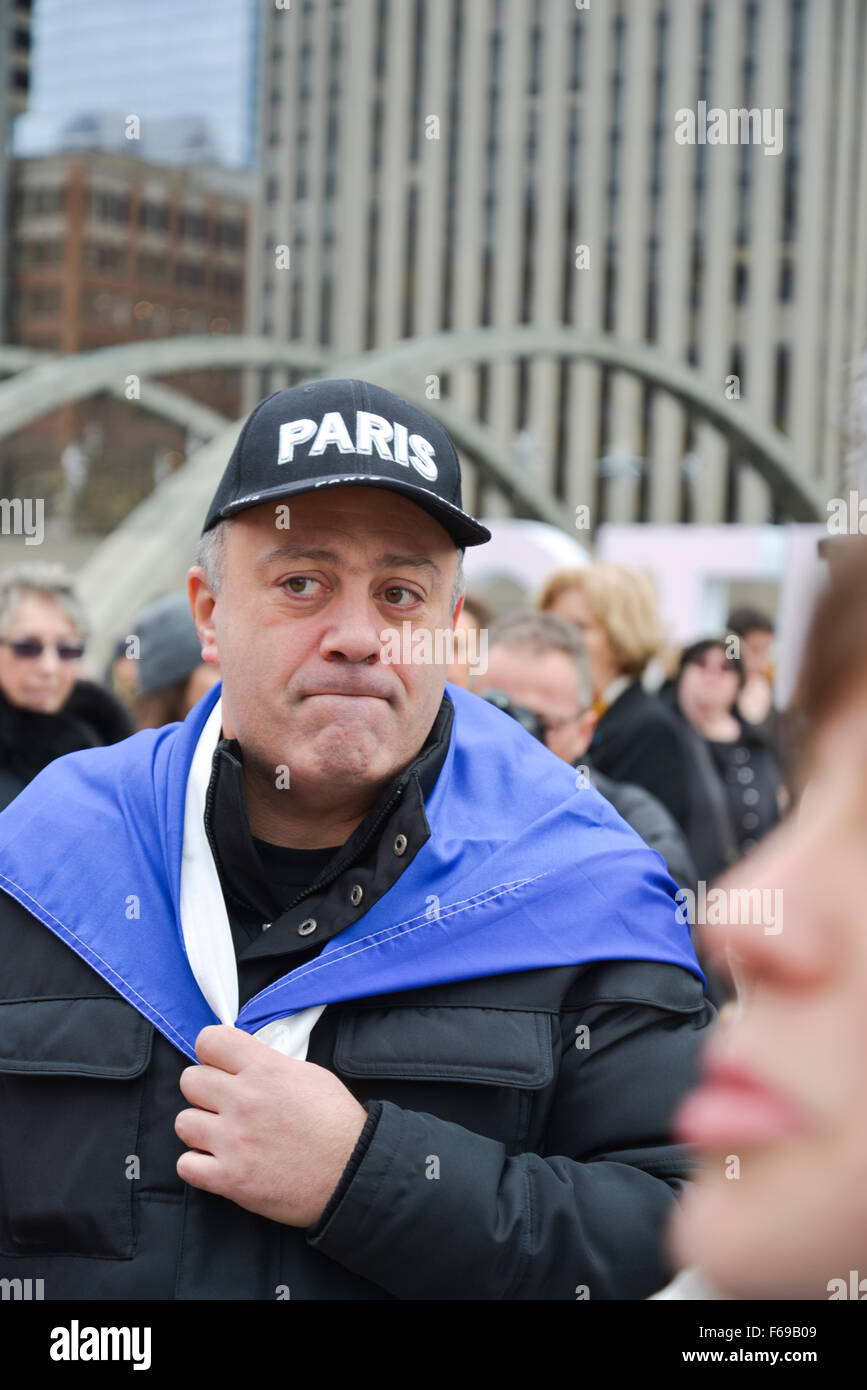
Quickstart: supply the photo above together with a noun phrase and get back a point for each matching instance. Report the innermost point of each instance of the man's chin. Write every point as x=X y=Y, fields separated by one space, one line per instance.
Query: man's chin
x=352 y=738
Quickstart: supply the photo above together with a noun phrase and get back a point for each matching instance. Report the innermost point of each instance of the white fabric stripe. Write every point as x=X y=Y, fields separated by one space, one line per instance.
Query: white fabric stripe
x=204 y=921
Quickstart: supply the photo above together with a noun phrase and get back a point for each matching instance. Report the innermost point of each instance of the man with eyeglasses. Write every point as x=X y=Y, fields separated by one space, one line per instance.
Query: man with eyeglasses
x=539 y=662
x=46 y=708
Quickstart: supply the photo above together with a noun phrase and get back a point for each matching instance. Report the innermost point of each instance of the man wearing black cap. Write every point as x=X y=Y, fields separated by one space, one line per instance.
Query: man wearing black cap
x=398 y=1013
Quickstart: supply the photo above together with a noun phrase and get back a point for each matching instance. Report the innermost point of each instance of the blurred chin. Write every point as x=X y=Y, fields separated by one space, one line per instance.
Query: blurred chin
x=44 y=704
x=769 y=1238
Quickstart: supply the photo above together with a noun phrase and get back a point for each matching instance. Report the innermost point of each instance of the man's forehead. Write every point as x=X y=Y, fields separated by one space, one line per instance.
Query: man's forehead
x=351 y=514
x=546 y=673
x=343 y=538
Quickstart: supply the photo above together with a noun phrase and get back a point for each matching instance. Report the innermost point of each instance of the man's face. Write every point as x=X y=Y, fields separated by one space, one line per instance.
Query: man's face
x=296 y=628
x=547 y=684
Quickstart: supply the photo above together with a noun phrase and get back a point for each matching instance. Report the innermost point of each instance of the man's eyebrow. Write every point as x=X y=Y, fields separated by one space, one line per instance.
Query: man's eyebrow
x=410 y=561
x=289 y=550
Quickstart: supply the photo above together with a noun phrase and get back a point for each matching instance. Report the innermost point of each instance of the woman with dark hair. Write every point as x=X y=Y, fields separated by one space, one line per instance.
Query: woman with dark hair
x=740 y=794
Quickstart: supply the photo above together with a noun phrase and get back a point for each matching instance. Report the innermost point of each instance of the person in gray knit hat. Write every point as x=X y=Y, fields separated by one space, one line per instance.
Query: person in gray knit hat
x=171 y=674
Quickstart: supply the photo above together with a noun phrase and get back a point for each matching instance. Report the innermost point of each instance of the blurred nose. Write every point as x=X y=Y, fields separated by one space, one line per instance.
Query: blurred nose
x=787 y=945
x=48 y=663
x=353 y=627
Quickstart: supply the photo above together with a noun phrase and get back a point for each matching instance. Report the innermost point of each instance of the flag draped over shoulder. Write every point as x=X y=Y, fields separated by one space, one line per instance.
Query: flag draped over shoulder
x=526 y=867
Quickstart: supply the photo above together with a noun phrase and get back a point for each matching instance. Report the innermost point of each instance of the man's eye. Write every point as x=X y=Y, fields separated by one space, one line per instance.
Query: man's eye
x=298 y=579
x=394 y=590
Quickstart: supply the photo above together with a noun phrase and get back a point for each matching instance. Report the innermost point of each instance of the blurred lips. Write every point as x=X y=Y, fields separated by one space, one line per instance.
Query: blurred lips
x=731 y=1107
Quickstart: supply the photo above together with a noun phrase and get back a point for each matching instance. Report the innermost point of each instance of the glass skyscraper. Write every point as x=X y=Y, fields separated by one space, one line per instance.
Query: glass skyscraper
x=175 y=64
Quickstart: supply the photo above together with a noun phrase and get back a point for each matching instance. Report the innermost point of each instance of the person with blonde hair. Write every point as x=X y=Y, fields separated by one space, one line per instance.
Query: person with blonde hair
x=637 y=738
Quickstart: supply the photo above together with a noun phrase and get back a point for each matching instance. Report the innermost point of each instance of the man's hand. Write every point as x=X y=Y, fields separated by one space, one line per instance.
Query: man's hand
x=271 y=1133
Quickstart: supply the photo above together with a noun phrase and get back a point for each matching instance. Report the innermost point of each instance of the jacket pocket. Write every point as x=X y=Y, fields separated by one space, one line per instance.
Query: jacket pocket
x=71 y=1084
x=479 y=1067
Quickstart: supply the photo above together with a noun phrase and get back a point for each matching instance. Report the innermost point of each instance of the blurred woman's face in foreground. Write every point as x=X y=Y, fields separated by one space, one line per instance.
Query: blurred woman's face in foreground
x=780 y=1207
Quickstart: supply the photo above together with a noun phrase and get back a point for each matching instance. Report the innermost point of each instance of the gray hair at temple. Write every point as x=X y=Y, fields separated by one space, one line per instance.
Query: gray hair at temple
x=528 y=630
x=46 y=581
x=210 y=554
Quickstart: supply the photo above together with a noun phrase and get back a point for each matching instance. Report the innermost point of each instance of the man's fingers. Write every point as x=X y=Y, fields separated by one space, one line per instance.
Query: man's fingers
x=206 y=1086
x=230 y=1049
x=200 y=1170
x=197 y=1128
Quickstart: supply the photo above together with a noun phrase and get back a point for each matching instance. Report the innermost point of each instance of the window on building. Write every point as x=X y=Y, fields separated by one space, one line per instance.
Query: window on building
x=154 y=215
x=189 y=273
x=194 y=226
x=786 y=288
x=228 y=282
x=43 y=301
x=108 y=207
x=42 y=201
x=108 y=260
x=151 y=267
x=230 y=233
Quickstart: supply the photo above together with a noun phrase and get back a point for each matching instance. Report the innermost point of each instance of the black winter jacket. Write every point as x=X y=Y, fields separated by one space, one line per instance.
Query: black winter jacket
x=638 y=739
x=517 y=1144
x=30 y=740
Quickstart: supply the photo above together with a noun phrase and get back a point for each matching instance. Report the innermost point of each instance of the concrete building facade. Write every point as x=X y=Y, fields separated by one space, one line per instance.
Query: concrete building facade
x=690 y=174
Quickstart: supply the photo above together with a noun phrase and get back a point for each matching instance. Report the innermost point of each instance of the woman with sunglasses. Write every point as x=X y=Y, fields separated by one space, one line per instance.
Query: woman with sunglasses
x=46 y=707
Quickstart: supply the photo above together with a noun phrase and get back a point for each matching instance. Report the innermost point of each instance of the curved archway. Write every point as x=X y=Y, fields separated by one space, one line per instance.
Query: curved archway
x=42 y=388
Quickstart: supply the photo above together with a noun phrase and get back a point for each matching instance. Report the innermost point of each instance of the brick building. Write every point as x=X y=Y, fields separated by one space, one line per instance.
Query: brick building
x=108 y=249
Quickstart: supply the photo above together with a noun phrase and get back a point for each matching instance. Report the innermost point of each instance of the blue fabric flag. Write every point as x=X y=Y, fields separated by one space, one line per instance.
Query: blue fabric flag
x=526 y=867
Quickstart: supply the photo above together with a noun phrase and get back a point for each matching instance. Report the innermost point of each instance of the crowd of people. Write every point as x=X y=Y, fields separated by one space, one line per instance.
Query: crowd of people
x=689 y=749
x=696 y=764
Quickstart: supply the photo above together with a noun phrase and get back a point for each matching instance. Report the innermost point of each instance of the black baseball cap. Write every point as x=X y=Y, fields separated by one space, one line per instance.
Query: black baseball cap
x=342 y=431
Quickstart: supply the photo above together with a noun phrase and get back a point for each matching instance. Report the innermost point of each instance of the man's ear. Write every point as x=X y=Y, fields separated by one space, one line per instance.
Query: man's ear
x=202 y=601
x=458 y=610
x=585 y=726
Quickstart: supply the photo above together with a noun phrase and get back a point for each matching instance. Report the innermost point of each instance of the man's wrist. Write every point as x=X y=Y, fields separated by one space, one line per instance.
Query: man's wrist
x=374 y=1110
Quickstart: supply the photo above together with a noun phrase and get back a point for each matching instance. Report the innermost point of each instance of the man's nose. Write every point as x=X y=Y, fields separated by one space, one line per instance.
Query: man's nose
x=354 y=625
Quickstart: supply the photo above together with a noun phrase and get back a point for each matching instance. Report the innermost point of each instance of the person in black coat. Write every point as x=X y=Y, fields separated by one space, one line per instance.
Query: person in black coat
x=741 y=793
x=46 y=709
x=538 y=662
x=637 y=739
